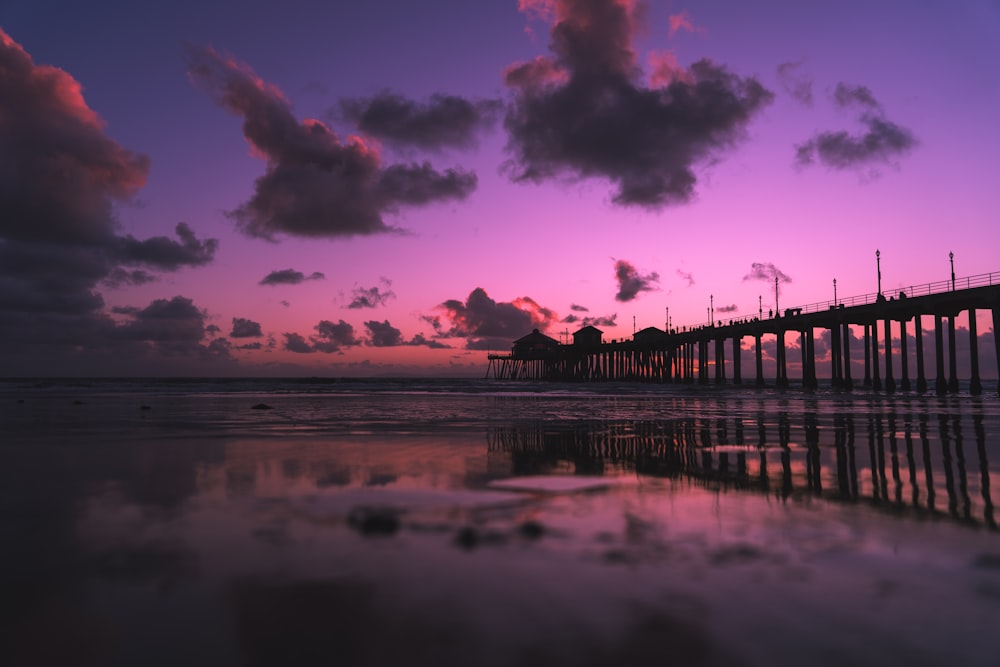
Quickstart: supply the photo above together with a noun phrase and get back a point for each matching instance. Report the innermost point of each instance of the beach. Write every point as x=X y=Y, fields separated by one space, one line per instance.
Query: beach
x=265 y=522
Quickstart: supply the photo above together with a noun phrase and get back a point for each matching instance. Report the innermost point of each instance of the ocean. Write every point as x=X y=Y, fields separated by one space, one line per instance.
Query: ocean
x=477 y=522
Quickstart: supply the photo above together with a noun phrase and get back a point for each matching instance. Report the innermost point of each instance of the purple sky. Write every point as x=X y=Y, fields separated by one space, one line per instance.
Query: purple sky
x=395 y=187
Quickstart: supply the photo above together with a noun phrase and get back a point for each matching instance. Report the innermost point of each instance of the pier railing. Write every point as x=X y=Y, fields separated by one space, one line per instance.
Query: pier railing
x=937 y=287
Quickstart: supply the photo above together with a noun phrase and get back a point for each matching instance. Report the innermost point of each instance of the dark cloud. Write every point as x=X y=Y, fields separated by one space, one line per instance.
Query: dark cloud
x=244 y=328
x=603 y=321
x=486 y=323
x=578 y=309
x=171 y=322
x=584 y=112
x=731 y=308
x=289 y=277
x=372 y=297
x=795 y=82
x=296 y=343
x=119 y=277
x=383 y=334
x=443 y=121
x=768 y=272
x=686 y=277
x=881 y=140
x=315 y=185
x=61 y=178
x=330 y=338
x=631 y=282
x=166 y=254
x=846 y=96
x=421 y=340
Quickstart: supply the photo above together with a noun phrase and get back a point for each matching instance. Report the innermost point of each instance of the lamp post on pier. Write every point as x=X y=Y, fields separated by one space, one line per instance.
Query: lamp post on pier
x=760 y=307
x=711 y=309
x=834 y=292
x=878 y=266
x=777 y=311
x=951 y=258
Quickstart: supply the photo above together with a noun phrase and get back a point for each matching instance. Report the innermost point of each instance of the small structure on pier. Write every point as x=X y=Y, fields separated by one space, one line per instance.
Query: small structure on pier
x=588 y=336
x=536 y=344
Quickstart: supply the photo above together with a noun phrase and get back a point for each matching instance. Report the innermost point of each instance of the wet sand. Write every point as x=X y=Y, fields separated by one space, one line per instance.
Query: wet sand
x=698 y=539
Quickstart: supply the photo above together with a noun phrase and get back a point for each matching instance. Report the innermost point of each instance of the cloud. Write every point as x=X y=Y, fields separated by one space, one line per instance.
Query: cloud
x=383 y=334
x=631 y=282
x=166 y=254
x=289 y=277
x=578 y=309
x=682 y=21
x=445 y=121
x=881 y=141
x=846 y=96
x=244 y=328
x=767 y=272
x=330 y=337
x=602 y=321
x=686 y=277
x=119 y=277
x=421 y=340
x=315 y=185
x=372 y=297
x=61 y=178
x=486 y=323
x=796 y=83
x=731 y=308
x=583 y=112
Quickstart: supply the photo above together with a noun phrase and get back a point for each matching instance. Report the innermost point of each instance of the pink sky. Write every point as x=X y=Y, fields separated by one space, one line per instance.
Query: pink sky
x=465 y=171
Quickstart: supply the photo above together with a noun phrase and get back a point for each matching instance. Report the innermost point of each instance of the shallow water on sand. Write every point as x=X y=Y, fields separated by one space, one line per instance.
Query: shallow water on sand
x=467 y=523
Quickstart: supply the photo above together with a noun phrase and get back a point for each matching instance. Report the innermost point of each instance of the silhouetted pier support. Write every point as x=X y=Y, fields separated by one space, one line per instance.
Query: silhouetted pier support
x=890 y=382
x=848 y=381
x=868 y=356
x=760 y=359
x=952 y=357
x=876 y=380
x=975 y=384
x=996 y=339
x=919 y=334
x=940 y=384
x=904 y=357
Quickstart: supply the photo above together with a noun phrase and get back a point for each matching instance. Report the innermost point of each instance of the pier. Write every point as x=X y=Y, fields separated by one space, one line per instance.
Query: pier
x=699 y=354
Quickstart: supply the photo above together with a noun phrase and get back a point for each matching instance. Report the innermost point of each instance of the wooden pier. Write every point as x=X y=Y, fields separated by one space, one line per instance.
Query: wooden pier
x=698 y=354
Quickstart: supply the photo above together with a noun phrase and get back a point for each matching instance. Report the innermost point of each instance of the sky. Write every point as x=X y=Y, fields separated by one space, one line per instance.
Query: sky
x=399 y=188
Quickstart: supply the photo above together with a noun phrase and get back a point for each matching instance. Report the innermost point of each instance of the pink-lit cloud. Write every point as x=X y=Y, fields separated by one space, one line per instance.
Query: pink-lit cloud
x=485 y=323
x=682 y=21
x=61 y=177
x=315 y=184
x=603 y=122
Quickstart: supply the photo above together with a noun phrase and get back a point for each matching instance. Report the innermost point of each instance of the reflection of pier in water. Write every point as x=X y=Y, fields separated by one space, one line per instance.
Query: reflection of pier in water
x=919 y=464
